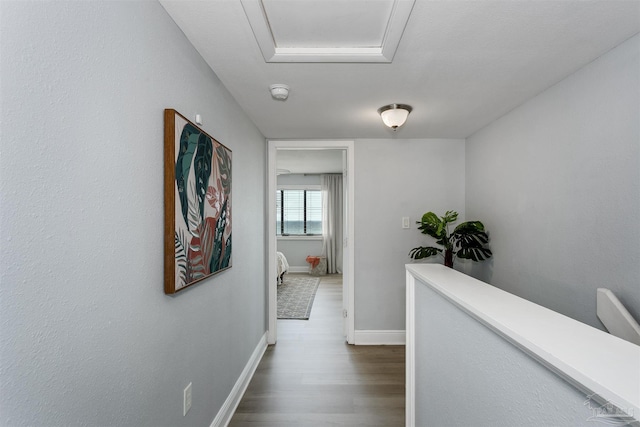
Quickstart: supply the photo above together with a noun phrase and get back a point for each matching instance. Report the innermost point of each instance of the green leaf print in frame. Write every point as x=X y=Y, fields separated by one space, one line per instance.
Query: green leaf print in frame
x=197 y=203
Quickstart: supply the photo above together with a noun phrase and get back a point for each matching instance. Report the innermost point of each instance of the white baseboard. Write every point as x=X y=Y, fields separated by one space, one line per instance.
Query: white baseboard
x=303 y=269
x=364 y=337
x=233 y=400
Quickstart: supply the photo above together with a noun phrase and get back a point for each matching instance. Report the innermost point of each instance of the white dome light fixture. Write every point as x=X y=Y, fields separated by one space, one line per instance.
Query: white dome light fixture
x=394 y=115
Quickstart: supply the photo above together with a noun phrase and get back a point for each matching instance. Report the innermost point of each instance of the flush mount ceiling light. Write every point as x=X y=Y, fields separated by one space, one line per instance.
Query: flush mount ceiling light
x=394 y=115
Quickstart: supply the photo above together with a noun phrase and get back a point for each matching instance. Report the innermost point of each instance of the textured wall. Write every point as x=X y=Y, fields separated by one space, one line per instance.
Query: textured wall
x=87 y=335
x=475 y=378
x=557 y=182
x=396 y=178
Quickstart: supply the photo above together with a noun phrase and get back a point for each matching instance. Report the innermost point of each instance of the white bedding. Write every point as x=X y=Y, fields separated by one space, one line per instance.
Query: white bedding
x=282 y=266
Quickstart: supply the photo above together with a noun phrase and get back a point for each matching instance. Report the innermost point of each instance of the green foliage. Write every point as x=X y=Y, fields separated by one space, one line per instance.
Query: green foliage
x=226 y=260
x=195 y=148
x=202 y=169
x=181 y=255
x=424 y=252
x=218 y=255
x=467 y=240
x=188 y=145
x=224 y=163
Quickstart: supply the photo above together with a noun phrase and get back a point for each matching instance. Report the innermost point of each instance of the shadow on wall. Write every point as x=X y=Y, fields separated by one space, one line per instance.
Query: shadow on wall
x=479 y=270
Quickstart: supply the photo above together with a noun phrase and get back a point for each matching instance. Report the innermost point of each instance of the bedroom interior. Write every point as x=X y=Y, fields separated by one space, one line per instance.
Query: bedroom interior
x=309 y=223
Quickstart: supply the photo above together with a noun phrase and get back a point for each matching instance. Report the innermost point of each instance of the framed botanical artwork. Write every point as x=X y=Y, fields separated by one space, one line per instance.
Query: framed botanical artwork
x=197 y=204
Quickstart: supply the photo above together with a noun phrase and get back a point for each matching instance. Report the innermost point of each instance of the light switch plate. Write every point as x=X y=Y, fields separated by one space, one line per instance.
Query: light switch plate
x=405 y=222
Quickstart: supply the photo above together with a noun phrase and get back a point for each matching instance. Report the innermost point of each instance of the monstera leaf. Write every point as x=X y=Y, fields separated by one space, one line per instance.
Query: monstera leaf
x=219 y=243
x=436 y=227
x=224 y=165
x=470 y=234
x=196 y=149
x=202 y=170
x=181 y=256
x=474 y=254
x=188 y=145
x=424 y=252
x=226 y=259
x=431 y=225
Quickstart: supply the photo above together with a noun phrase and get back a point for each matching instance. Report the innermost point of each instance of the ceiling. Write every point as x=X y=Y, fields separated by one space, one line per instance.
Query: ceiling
x=459 y=64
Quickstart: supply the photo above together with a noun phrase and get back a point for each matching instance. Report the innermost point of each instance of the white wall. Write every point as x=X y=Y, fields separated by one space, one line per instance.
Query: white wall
x=557 y=183
x=297 y=250
x=298 y=179
x=395 y=178
x=468 y=375
x=88 y=336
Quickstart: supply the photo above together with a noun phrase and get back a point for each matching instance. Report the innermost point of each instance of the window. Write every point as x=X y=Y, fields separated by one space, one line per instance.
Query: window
x=298 y=212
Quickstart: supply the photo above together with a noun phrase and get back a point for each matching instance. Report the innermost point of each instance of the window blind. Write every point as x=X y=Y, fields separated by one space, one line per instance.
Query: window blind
x=299 y=212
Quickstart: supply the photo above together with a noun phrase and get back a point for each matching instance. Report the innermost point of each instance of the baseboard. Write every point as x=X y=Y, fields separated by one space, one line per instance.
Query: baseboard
x=364 y=337
x=233 y=400
x=303 y=269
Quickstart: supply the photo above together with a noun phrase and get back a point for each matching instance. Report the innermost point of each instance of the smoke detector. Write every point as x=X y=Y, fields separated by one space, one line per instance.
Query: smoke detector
x=279 y=91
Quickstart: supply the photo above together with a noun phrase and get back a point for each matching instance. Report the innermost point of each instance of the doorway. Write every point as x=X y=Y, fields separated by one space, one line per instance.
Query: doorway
x=348 y=290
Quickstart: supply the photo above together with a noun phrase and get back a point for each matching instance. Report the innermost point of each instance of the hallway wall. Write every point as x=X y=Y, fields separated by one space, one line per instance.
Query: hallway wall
x=88 y=336
x=395 y=178
x=557 y=183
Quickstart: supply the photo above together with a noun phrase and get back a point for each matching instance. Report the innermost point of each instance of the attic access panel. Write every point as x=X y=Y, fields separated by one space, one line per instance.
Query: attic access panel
x=328 y=31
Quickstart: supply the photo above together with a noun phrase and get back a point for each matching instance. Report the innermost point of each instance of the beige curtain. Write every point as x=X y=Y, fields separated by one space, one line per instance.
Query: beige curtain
x=332 y=214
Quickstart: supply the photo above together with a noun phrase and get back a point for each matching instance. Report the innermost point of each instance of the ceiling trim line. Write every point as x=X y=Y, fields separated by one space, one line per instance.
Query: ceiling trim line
x=259 y=22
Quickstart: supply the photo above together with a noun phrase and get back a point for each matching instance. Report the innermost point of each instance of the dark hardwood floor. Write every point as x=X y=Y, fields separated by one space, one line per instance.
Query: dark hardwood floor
x=312 y=377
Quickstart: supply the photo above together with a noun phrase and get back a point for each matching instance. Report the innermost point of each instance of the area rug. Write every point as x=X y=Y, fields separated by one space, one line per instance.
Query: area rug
x=296 y=295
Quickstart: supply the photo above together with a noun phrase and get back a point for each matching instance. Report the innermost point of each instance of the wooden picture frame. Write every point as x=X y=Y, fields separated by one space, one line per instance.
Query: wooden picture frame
x=197 y=204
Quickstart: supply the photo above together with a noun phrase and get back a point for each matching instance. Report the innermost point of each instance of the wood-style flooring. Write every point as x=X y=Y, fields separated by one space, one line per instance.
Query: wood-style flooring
x=312 y=377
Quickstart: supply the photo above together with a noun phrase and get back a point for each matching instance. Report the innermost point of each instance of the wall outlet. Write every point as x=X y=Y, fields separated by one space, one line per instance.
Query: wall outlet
x=405 y=222
x=186 y=400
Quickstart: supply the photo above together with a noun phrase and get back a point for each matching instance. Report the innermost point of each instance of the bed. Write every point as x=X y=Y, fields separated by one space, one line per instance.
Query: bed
x=282 y=266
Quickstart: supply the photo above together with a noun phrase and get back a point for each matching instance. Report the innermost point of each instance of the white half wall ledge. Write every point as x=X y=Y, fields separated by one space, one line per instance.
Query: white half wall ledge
x=223 y=418
x=380 y=337
x=593 y=361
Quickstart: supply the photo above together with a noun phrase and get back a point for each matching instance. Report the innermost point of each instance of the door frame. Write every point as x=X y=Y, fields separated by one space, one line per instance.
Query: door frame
x=348 y=284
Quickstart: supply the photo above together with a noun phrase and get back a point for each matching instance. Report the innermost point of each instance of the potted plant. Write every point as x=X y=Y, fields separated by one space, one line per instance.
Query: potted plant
x=467 y=240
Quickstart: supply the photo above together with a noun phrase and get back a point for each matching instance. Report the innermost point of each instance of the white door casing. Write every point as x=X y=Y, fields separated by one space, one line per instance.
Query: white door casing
x=348 y=254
